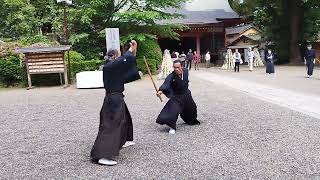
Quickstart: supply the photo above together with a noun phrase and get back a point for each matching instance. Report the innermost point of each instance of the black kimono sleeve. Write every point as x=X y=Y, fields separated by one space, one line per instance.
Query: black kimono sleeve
x=166 y=86
x=127 y=66
x=131 y=72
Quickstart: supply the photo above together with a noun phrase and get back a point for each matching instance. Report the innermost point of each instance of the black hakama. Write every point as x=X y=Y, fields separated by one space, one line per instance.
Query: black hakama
x=270 y=67
x=115 y=127
x=180 y=101
x=310 y=56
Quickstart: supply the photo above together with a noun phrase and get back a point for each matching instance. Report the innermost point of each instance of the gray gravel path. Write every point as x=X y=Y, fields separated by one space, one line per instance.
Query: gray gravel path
x=48 y=133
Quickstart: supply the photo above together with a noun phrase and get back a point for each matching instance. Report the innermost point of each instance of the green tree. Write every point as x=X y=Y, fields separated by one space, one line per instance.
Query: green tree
x=17 y=18
x=88 y=19
x=136 y=20
x=290 y=24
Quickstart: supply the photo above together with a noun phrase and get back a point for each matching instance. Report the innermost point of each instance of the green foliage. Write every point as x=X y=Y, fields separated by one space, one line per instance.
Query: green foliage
x=151 y=50
x=11 y=72
x=136 y=20
x=311 y=24
x=142 y=66
x=27 y=41
x=8 y=48
x=279 y=23
x=17 y=18
x=87 y=21
x=74 y=56
x=80 y=66
x=244 y=9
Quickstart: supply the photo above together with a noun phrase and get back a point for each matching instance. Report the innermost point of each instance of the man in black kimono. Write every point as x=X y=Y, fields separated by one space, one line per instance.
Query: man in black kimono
x=115 y=129
x=309 y=60
x=180 y=101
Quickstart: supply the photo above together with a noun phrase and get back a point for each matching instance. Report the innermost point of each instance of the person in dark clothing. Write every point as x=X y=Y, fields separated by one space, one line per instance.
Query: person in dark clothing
x=115 y=129
x=270 y=62
x=176 y=88
x=189 y=59
x=310 y=60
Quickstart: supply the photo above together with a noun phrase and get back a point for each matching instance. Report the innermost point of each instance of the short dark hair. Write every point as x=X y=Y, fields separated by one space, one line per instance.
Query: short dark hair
x=112 y=52
x=177 y=61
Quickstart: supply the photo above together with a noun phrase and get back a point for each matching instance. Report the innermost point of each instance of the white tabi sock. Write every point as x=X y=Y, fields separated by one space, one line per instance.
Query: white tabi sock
x=172 y=131
x=128 y=143
x=107 y=162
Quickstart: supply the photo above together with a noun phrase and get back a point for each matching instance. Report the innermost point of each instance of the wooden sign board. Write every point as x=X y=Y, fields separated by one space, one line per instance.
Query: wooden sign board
x=45 y=60
x=39 y=63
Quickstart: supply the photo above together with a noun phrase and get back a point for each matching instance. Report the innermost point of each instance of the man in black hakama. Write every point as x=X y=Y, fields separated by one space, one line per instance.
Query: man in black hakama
x=176 y=88
x=115 y=129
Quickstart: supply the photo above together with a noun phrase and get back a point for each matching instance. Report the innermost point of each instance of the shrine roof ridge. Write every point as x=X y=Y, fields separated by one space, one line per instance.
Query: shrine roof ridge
x=211 y=16
x=44 y=49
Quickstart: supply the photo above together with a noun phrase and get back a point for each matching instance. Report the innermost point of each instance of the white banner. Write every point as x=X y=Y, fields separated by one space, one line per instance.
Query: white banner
x=112 y=38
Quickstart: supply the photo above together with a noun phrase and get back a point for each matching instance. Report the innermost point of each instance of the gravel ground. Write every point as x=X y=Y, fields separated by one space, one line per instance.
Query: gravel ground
x=48 y=133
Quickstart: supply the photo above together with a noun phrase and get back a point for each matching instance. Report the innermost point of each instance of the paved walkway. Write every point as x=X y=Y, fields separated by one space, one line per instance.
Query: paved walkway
x=292 y=78
x=298 y=101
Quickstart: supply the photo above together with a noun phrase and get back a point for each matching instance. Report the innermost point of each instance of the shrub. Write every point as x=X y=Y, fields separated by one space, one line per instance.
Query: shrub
x=151 y=50
x=37 y=39
x=74 y=56
x=80 y=66
x=7 y=48
x=11 y=71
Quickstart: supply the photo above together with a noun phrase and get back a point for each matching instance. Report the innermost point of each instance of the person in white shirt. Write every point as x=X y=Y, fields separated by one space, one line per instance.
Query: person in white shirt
x=208 y=58
x=250 y=59
x=237 y=61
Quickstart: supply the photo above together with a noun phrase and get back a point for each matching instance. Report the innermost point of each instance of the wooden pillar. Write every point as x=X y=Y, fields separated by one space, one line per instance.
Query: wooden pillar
x=66 y=83
x=213 y=42
x=28 y=73
x=198 y=43
x=29 y=82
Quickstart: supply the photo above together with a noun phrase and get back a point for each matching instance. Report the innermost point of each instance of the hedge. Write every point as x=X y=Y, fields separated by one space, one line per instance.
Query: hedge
x=11 y=71
x=74 y=56
x=151 y=50
x=94 y=65
x=80 y=66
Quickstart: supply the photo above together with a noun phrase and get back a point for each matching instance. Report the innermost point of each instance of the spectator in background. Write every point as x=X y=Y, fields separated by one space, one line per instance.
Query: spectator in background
x=208 y=58
x=310 y=60
x=196 y=60
x=189 y=59
x=237 y=61
x=270 y=62
x=182 y=58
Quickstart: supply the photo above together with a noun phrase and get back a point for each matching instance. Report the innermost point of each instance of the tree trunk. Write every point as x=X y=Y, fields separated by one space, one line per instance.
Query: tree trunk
x=295 y=30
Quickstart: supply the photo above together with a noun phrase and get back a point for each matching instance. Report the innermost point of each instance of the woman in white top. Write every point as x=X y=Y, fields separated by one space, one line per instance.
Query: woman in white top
x=250 y=58
x=166 y=66
x=208 y=58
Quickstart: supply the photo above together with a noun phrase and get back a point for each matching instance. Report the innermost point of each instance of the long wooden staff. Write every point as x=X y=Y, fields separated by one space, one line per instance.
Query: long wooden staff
x=154 y=84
